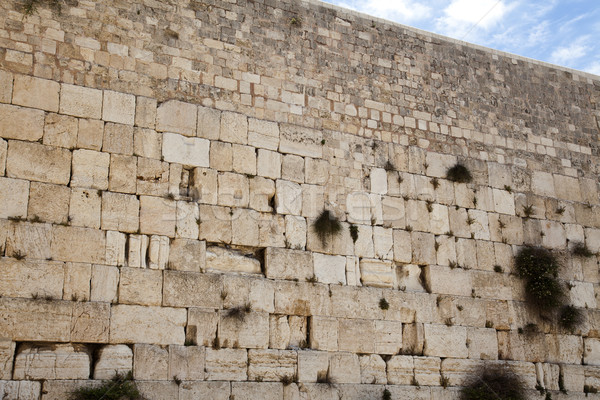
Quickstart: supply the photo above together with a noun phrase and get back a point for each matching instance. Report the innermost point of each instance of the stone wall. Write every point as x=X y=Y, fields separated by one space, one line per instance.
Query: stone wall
x=163 y=163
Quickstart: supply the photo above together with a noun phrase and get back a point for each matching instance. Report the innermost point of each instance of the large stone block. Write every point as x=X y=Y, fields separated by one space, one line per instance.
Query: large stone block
x=330 y=269
x=37 y=162
x=104 y=283
x=150 y=362
x=57 y=361
x=372 y=369
x=187 y=255
x=246 y=329
x=29 y=239
x=120 y=212
x=61 y=131
x=21 y=123
x=90 y=169
x=255 y=390
x=176 y=116
x=90 y=244
x=139 y=324
x=80 y=101
x=226 y=364
x=31 y=279
x=445 y=341
x=324 y=333
x=122 y=177
x=312 y=365
x=566 y=349
x=288 y=264
x=445 y=280
x=7 y=355
x=90 y=134
x=356 y=335
x=191 y=289
x=295 y=298
x=204 y=390
x=186 y=363
x=234 y=128
x=140 y=286
x=90 y=322
x=118 y=138
x=513 y=346
x=118 y=107
x=344 y=368
x=35 y=320
x=85 y=207
x=234 y=190
x=400 y=370
x=483 y=343
x=427 y=370
x=49 y=202
x=22 y=390
x=423 y=248
x=242 y=289
x=377 y=273
x=6 y=83
x=229 y=260
x=272 y=365
x=185 y=150
x=158 y=216
x=113 y=360
x=300 y=141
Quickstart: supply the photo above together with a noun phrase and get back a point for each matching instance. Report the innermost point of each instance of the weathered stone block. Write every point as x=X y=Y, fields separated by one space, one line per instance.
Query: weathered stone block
x=31 y=320
x=514 y=346
x=344 y=368
x=80 y=101
x=77 y=281
x=31 y=279
x=423 y=248
x=204 y=390
x=34 y=92
x=90 y=134
x=21 y=123
x=6 y=83
x=90 y=169
x=312 y=365
x=324 y=333
x=268 y=164
x=226 y=364
x=7 y=355
x=234 y=128
x=221 y=156
x=120 y=212
x=91 y=244
x=118 y=107
x=202 y=326
x=288 y=198
x=372 y=369
x=245 y=329
x=483 y=343
x=254 y=390
x=445 y=341
x=176 y=116
x=400 y=370
x=113 y=360
x=85 y=208
x=61 y=131
x=233 y=190
x=377 y=273
x=241 y=289
x=105 y=280
x=186 y=362
x=58 y=361
x=90 y=322
x=288 y=264
x=147 y=143
x=330 y=269
x=157 y=216
x=37 y=162
x=139 y=324
x=122 y=177
x=427 y=370
x=300 y=141
x=187 y=255
x=191 y=289
x=118 y=138
x=49 y=202
x=272 y=365
x=140 y=286
x=150 y=362
x=29 y=239
x=228 y=260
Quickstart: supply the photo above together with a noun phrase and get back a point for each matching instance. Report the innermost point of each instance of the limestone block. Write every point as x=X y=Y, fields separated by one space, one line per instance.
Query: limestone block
x=104 y=283
x=356 y=336
x=215 y=224
x=300 y=141
x=567 y=349
x=120 y=212
x=417 y=215
x=263 y=134
x=268 y=164
x=372 y=369
x=554 y=235
x=344 y=368
x=145 y=112
x=466 y=253
x=288 y=264
x=85 y=208
x=459 y=371
x=483 y=343
x=157 y=256
x=90 y=169
x=190 y=289
x=271 y=230
x=186 y=362
x=377 y=273
x=438 y=219
x=185 y=150
x=292 y=168
x=295 y=298
x=229 y=260
x=324 y=333
x=379 y=181
x=567 y=188
x=514 y=346
x=312 y=365
x=330 y=269
x=188 y=216
x=57 y=361
x=21 y=390
x=542 y=183
x=187 y=255
x=150 y=362
x=157 y=216
x=446 y=252
x=221 y=156
x=408 y=278
x=288 y=197
x=29 y=239
x=176 y=116
x=479 y=227
x=393 y=212
x=423 y=248
x=80 y=101
x=573 y=377
x=279 y=332
x=261 y=193
x=61 y=131
x=388 y=337
x=118 y=138
x=313 y=200
x=34 y=92
x=48 y=202
x=491 y=285
x=402 y=246
x=427 y=370
x=209 y=123
x=91 y=244
x=140 y=286
x=317 y=171
x=43 y=279
x=37 y=162
x=118 y=107
x=90 y=322
x=438 y=164
x=255 y=390
x=139 y=324
x=226 y=364
x=113 y=360
x=582 y=294
x=400 y=370
x=233 y=190
x=359 y=208
x=204 y=390
x=272 y=365
x=21 y=123
x=458 y=222
x=423 y=188
x=504 y=202
x=90 y=134
x=31 y=320
x=77 y=278
x=445 y=341
x=203 y=185
x=548 y=375
x=413 y=338
x=147 y=143
x=7 y=354
x=202 y=326
x=122 y=177
x=6 y=83
x=383 y=242
x=234 y=128
x=257 y=292
x=353 y=271
x=157 y=390
x=3 y=150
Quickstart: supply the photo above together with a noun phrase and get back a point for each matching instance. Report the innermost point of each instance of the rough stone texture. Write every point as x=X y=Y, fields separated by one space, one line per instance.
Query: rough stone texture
x=150 y=362
x=37 y=162
x=226 y=364
x=176 y=116
x=112 y=360
x=21 y=123
x=445 y=341
x=186 y=362
x=330 y=269
x=184 y=150
x=224 y=260
x=59 y=361
x=139 y=324
x=7 y=355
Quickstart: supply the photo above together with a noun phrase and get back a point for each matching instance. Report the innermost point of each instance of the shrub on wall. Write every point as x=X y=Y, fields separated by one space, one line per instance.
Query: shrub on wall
x=326 y=226
x=121 y=387
x=459 y=173
x=494 y=383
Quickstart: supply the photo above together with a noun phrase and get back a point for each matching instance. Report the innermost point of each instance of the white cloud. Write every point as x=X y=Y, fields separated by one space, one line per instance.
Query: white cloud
x=567 y=54
x=461 y=15
x=400 y=10
x=593 y=68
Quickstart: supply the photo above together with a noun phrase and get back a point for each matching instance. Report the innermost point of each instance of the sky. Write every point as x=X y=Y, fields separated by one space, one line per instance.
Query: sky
x=566 y=33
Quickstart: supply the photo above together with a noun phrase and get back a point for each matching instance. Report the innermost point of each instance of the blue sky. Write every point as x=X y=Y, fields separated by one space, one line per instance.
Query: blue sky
x=564 y=32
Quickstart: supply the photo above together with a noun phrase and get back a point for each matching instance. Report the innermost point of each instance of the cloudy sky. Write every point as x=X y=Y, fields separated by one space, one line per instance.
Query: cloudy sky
x=563 y=32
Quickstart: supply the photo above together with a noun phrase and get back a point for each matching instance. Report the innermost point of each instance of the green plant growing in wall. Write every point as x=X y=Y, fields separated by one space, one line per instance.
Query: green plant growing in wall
x=121 y=387
x=354 y=233
x=459 y=173
x=383 y=304
x=387 y=395
x=581 y=250
x=494 y=383
x=389 y=166
x=326 y=226
x=30 y=7
x=570 y=318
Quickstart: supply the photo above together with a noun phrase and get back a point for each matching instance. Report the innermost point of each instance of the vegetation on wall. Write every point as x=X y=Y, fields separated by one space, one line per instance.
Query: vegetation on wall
x=494 y=383
x=326 y=226
x=121 y=387
x=459 y=173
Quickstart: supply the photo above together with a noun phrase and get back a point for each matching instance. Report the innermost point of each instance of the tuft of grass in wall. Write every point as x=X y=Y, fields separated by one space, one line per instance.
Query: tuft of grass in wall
x=560 y=210
x=383 y=304
x=539 y=268
x=508 y=188
x=288 y=379
x=435 y=183
x=429 y=205
x=121 y=387
x=581 y=250
x=498 y=269
x=387 y=395
x=389 y=166
x=354 y=233
x=326 y=226
x=494 y=383
x=18 y=255
x=589 y=389
x=295 y=21
x=528 y=211
x=570 y=318
x=444 y=381
x=459 y=173
x=239 y=312
x=312 y=279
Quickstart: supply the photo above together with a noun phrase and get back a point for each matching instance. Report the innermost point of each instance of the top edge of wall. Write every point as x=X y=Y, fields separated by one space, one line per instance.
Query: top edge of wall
x=491 y=51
